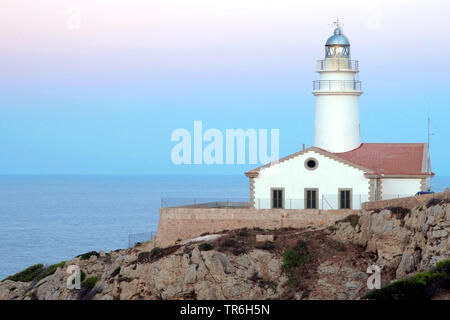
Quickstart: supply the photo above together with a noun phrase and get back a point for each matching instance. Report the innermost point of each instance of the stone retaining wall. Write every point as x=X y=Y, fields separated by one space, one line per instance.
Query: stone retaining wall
x=186 y=223
x=408 y=202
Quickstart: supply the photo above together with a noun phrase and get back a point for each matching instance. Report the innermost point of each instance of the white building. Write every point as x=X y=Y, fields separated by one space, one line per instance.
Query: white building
x=340 y=172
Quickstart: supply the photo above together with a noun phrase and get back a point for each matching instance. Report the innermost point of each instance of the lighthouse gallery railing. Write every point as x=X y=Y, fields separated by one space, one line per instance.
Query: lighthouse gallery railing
x=337 y=65
x=337 y=85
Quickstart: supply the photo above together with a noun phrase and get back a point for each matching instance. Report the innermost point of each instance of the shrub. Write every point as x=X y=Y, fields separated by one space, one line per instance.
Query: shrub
x=28 y=274
x=155 y=254
x=143 y=257
x=418 y=287
x=433 y=202
x=230 y=243
x=399 y=212
x=243 y=233
x=443 y=266
x=90 y=282
x=32 y=295
x=398 y=290
x=268 y=245
x=353 y=219
x=87 y=255
x=425 y=278
x=82 y=275
x=293 y=259
x=205 y=246
x=51 y=269
x=156 y=251
x=293 y=282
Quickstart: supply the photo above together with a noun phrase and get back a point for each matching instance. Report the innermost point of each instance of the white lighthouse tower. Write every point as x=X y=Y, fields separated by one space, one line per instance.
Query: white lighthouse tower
x=337 y=96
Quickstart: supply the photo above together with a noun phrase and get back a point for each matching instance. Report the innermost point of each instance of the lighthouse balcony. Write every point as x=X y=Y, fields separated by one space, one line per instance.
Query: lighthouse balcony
x=337 y=86
x=337 y=65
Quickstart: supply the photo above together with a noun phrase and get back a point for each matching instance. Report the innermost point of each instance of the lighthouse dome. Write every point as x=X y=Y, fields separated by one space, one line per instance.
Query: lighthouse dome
x=337 y=46
x=338 y=38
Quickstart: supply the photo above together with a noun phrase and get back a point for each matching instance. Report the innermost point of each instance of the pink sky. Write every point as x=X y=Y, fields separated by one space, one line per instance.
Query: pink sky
x=169 y=63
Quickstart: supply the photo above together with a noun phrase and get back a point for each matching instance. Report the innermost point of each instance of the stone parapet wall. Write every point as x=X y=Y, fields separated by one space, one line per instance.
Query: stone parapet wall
x=186 y=223
x=407 y=202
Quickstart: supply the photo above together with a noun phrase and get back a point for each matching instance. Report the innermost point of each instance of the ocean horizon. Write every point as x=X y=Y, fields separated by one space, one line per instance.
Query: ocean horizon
x=49 y=218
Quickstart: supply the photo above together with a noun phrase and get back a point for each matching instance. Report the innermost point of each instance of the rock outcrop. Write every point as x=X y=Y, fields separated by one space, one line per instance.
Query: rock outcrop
x=248 y=263
x=405 y=240
x=232 y=266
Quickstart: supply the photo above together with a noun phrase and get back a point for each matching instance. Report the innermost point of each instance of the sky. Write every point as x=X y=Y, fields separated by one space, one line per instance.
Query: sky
x=98 y=87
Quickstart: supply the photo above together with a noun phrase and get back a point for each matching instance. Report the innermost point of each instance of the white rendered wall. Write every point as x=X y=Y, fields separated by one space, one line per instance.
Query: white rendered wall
x=337 y=127
x=337 y=75
x=292 y=175
x=398 y=188
x=337 y=123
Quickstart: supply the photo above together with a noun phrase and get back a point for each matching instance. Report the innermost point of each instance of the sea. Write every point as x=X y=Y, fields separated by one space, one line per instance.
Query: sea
x=47 y=219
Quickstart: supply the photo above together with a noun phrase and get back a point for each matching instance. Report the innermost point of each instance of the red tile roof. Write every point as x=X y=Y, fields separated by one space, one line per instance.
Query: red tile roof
x=388 y=158
x=373 y=158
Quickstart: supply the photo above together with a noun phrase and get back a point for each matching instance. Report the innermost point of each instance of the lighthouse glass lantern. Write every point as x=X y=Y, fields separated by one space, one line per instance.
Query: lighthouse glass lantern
x=337 y=45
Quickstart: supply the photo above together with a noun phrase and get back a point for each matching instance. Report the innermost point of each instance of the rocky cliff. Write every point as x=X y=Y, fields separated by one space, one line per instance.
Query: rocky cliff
x=405 y=240
x=328 y=263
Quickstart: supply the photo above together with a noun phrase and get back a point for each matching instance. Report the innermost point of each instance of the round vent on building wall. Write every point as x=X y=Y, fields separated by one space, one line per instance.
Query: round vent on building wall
x=311 y=164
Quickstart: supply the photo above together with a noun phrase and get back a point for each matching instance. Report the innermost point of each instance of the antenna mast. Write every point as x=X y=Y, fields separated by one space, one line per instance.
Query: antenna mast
x=336 y=23
x=428 y=156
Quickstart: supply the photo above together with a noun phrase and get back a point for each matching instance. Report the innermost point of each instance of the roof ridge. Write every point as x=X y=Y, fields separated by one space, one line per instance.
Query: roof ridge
x=365 y=154
x=298 y=153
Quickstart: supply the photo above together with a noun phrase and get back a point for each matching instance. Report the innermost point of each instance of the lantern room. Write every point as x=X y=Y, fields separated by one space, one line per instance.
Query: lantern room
x=337 y=46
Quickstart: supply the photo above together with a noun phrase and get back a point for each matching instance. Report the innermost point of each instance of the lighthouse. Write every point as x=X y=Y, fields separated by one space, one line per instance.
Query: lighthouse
x=337 y=94
x=339 y=172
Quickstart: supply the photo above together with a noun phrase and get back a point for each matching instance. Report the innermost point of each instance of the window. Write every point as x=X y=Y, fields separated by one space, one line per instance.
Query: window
x=345 y=198
x=311 y=198
x=337 y=51
x=277 y=198
x=311 y=164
